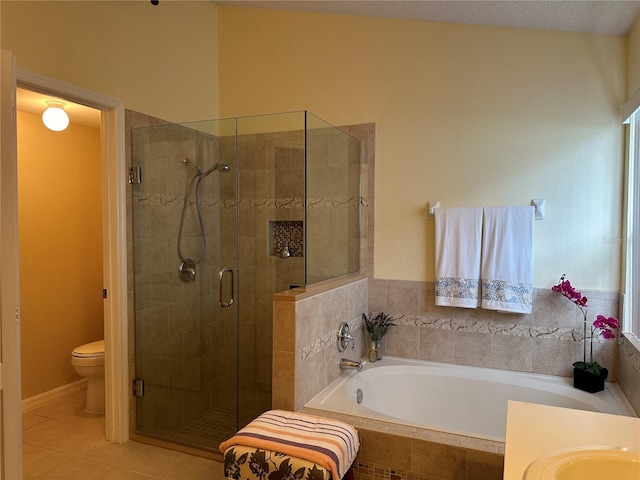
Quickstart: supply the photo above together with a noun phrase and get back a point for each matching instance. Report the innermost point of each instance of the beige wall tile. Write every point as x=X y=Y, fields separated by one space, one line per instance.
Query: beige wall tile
x=473 y=348
x=554 y=357
x=402 y=341
x=484 y=465
x=387 y=449
x=437 y=345
x=439 y=461
x=512 y=353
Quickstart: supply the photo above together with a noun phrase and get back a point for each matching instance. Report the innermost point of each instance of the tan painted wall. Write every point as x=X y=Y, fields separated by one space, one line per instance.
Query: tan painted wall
x=466 y=115
x=60 y=228
x=160 y=60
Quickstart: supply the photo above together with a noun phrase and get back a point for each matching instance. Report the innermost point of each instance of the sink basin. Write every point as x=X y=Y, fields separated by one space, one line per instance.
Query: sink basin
x=586 y=463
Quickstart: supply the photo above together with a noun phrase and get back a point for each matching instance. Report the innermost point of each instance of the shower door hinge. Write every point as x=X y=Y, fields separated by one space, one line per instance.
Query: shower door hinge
x=135 y=175
x=138 y=387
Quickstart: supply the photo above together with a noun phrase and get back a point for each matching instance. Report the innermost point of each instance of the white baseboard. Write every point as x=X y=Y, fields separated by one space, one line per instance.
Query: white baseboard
x=41 y=399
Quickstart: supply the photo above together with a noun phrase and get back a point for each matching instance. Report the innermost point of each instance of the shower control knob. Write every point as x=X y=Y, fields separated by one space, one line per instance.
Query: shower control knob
x=187 y=271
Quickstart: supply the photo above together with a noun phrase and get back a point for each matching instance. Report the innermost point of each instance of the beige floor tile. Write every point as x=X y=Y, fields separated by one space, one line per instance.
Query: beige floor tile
x=39 y=460
x=78 y=469
x=69 y=411
x=154 y=461
x=120 y=474
x=31 y=420
x=47 y=432
x=62 y=442
x=77 y=441
x=114 y=454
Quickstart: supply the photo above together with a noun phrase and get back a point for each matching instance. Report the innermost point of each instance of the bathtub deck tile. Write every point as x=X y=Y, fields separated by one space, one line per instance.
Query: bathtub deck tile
x=440 y=437
x=405 y=431
x=489 y=446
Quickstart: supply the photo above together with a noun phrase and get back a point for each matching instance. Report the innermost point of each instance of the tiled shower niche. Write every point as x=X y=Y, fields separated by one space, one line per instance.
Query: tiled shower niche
x=286 y=234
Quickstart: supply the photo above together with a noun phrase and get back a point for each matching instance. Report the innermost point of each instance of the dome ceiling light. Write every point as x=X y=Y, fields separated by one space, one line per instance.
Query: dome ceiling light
x=54 y=117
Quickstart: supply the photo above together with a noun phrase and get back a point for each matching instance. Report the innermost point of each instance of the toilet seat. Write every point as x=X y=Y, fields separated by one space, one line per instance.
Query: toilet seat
x=89 y=350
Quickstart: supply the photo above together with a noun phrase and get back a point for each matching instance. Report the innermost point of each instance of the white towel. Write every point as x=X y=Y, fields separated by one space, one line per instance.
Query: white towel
x=507 y=259
x=458 y=249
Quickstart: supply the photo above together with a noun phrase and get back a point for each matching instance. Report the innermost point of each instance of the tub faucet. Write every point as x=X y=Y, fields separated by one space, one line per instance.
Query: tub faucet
x=345 y=364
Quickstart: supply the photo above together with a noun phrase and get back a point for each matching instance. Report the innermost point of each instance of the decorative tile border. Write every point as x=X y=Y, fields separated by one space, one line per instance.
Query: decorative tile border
x=178 y=201
x=307 y=352
x=489 y=326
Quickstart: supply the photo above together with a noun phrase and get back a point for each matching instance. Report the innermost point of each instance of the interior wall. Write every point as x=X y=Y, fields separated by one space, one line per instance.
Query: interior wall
x=161 y=60
x=60 y=229
x=466 y=115
x=633 y=59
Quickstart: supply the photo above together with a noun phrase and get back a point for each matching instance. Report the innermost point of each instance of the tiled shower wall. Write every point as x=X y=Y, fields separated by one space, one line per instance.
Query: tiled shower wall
x=333 y=201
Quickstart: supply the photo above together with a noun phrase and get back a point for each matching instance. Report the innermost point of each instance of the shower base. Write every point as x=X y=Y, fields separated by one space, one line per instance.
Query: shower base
x=217 y=424
x=206 y=431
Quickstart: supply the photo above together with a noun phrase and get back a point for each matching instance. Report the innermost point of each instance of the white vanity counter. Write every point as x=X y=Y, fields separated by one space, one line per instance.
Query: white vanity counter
x=535 y=430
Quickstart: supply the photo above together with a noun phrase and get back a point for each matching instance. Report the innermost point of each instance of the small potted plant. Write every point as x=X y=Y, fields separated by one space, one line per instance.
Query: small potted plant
x=377 y=327
x=588 y=376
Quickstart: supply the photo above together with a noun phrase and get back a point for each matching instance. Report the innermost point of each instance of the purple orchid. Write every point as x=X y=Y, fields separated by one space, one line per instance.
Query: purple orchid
x=605 y=326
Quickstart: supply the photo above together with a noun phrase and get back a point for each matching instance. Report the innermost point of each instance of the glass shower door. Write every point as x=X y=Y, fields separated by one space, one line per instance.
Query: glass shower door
x=186 y=290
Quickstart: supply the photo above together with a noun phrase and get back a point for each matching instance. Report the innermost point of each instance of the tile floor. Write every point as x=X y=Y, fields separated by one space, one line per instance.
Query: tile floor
x=62 y=442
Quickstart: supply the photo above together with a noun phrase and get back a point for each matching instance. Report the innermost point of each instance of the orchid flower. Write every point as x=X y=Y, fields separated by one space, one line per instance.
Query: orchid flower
x=605 y=326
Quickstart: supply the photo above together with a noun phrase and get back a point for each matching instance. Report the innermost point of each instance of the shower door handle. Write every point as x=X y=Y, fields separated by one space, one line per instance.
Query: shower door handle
x=224 y=304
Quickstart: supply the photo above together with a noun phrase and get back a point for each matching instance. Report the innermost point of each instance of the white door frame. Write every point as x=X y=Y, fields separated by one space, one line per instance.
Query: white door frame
x=11 y=435
x=114 y=175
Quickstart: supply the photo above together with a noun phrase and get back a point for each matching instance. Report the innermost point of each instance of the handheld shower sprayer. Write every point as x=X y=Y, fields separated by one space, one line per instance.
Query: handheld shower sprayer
x=187 y=269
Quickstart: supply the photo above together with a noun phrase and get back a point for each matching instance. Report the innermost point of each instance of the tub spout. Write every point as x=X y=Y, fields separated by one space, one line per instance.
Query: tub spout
x=345 y=364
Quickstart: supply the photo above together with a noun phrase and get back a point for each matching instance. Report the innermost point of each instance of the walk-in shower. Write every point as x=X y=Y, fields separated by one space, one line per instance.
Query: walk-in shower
x=219 y=203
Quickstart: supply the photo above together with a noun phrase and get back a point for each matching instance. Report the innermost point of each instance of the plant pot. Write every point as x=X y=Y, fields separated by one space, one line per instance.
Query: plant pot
x=375 y=353
x=589 y=382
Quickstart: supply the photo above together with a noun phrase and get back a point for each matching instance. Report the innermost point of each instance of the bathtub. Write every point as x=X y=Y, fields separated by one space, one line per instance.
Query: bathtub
x=456 y=399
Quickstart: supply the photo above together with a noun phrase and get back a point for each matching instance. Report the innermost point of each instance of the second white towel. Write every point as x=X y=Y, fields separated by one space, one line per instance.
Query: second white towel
x=507 y=259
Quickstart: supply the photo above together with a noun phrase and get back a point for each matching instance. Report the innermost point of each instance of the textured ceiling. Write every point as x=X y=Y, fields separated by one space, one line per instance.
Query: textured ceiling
x=605 y=17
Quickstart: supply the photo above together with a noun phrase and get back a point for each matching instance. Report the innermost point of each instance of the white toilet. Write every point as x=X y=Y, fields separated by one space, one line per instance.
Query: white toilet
x=88 y=360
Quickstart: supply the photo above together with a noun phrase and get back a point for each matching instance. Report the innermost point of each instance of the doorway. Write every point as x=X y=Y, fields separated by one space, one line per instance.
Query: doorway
x=114 y=267
x=60 y=235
